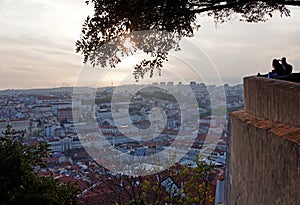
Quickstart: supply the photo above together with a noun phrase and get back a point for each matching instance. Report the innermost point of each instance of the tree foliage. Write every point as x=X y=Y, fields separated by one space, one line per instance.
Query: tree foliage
x=104 y=33
x=180 y=184
x=19 y=183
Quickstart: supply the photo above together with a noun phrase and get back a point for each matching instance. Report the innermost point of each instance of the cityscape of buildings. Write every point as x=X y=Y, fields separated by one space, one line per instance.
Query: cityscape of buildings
x=55 y=116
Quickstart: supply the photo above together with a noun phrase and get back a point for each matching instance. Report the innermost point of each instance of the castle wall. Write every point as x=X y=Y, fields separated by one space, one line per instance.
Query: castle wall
x=275 y=100
x=264 y=154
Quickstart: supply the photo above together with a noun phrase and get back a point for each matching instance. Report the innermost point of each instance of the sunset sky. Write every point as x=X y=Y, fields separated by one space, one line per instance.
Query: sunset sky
x=37 y=45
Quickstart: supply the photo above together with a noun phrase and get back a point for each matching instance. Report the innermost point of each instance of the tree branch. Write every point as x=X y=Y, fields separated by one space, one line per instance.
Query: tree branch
x=219 y=5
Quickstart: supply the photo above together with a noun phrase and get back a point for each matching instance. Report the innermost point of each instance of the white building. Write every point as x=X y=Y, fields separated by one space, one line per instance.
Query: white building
x=19 y=125
x=49 y=130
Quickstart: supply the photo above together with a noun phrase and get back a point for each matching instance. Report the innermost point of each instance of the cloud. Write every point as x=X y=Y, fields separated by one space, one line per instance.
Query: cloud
x=38 y=45
x=40 y=67
x=38 y=41
x=239 y=49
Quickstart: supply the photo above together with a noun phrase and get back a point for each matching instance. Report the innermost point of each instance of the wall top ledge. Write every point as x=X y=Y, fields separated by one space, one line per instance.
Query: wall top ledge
x=287 y=132
x=273 y=99
x=280 y=84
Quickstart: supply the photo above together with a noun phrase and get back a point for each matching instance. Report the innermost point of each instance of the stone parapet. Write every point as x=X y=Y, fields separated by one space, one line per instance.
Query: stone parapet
x=263 y=156
x=275 y=100
x=265 y=162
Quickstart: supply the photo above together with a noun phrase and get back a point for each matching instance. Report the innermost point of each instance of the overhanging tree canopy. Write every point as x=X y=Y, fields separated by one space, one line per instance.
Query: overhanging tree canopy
x=113 y=19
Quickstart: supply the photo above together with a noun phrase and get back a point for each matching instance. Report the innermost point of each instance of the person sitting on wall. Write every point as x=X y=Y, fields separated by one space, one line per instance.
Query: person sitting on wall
x=278 y=70
x=286 y=67
x=282 y=71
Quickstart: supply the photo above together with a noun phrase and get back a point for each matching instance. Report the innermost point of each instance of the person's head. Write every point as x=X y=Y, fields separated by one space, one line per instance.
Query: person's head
x=275 y=63
x=283 y=59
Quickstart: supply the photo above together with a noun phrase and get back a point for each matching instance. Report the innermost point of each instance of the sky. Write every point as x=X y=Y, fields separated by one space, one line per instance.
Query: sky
x=37 y=47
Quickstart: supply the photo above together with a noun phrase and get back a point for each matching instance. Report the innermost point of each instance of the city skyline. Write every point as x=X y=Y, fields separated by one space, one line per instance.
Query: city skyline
x=38 y=46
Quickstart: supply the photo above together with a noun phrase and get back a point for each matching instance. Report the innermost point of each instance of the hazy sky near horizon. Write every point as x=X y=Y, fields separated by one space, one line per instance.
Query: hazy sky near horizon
x=37 y=44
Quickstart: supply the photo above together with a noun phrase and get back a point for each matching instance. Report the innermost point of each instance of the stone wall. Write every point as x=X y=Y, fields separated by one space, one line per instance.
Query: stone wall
x=264 y=153
x=275 y=100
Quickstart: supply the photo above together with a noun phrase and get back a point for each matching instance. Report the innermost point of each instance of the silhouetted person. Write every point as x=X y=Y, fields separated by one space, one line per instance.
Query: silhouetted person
x=282 y=71
x=277 y=71
x=277 y=67
x=286 y=67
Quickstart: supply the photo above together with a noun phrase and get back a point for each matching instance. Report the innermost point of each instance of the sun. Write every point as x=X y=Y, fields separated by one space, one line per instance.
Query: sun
x=128 y=44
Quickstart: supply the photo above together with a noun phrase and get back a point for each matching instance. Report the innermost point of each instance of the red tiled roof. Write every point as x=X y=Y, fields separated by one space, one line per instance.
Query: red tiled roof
x=67 y=179
x=64 y=109
x=17 y=120
x=65 y=164
x=44 y=174
x=47 y=98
